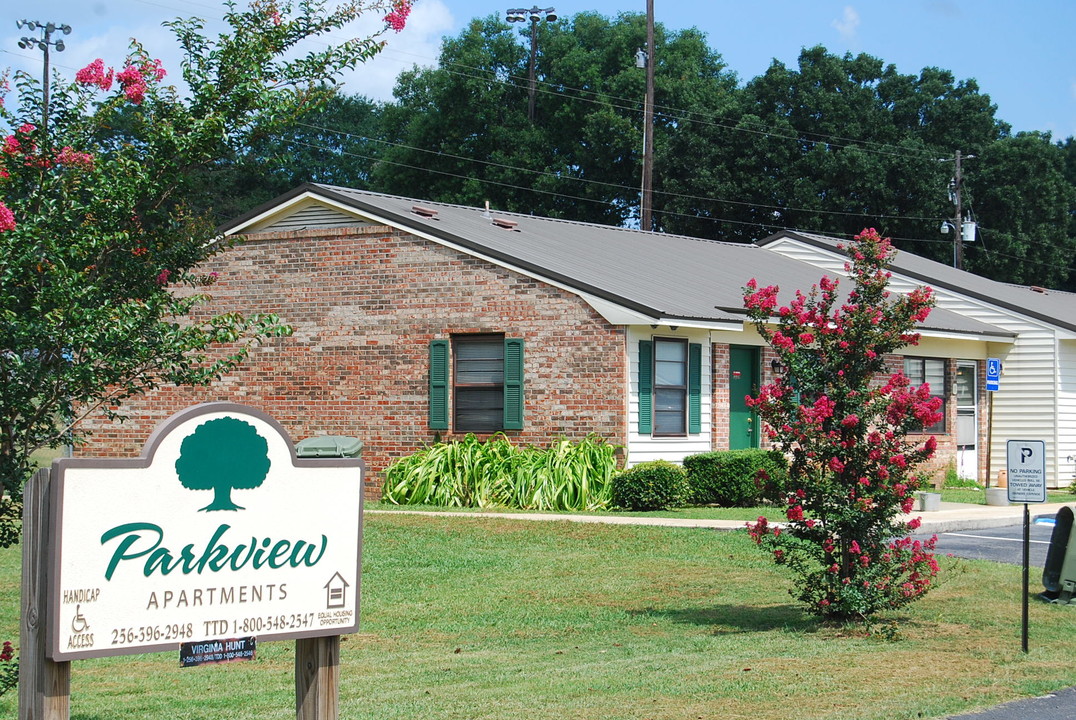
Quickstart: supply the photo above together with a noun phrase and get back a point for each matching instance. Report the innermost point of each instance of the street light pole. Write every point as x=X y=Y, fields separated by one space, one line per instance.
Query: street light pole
x=535 y=15
x=43 y=44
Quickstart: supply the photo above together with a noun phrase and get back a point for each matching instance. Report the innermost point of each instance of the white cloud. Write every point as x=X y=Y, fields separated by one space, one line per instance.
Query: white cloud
x=418 y=44
x=848 y=26
x=101 y=31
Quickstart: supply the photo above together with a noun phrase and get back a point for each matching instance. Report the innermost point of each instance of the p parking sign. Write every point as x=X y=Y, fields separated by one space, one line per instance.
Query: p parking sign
x=1027 y=471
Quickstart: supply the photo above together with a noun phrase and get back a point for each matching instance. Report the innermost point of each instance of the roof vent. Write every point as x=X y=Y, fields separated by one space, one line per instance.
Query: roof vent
x=424 y=211
x=506 y=224
x=1036 y=288
x=486 y=213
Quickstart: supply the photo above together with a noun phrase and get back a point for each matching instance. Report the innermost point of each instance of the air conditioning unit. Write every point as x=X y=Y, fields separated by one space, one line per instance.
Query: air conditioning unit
x=1059 y=573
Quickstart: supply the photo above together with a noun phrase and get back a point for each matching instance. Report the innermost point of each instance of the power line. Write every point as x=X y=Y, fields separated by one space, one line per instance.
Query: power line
x=543 y=173
x=768 y=227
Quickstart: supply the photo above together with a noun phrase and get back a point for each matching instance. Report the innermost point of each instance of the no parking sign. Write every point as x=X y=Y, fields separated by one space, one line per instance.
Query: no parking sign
x=1027 y=471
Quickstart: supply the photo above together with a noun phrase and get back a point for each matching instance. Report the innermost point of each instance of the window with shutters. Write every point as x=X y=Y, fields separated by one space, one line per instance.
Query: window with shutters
x=670 y=387
x=932 y=372
x=477 y=381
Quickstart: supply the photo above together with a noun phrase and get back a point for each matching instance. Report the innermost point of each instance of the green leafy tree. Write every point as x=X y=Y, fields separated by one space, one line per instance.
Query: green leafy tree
x=223 y=455
x=828 y=146
x=462 y=132
x=102 y=229
x=1025 y=205
x=336 y=143
x=845 y=426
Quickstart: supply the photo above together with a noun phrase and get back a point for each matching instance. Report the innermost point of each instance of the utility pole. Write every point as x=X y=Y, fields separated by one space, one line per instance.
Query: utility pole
x=647 y=200
x=47 y=29
x=535 y=15
x=958 y=223
x=963 y=230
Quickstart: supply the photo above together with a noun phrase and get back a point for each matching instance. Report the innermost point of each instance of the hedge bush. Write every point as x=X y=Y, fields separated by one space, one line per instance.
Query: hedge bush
x=729 y=478
x=655 y=485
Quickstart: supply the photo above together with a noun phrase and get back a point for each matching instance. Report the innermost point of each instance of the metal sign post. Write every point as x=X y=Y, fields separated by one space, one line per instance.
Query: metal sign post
x=1026 y=461
x=993 y=385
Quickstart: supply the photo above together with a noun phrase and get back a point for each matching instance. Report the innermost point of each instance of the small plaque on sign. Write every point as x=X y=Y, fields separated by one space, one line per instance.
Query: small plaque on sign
x=207 y=652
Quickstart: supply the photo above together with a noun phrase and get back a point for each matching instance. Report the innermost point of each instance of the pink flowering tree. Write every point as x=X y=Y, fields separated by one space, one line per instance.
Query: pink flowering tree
x=851 y=431
x=102 y=231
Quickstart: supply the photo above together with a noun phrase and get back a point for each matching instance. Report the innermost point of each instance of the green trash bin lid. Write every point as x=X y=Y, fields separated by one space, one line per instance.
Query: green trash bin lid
x=329 y=446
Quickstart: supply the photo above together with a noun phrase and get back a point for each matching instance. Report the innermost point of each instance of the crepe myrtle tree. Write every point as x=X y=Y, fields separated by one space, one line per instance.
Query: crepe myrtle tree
x=100 y=236
x=844 y=422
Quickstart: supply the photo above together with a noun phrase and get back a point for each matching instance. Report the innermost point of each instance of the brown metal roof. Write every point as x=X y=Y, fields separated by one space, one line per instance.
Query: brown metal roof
x=662 y=276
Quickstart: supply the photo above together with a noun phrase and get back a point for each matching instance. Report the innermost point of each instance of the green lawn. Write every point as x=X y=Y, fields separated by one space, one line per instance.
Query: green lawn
x=978 y=496
x=483 y=618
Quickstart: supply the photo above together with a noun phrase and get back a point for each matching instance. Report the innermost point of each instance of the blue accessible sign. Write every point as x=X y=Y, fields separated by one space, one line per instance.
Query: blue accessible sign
x=993 y=374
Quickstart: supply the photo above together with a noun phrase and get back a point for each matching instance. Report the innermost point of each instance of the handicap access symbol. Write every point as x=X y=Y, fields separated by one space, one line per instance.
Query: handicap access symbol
x=79 y=623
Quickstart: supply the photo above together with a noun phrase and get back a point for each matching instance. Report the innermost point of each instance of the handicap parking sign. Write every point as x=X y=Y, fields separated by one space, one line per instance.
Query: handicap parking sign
x=993 y=374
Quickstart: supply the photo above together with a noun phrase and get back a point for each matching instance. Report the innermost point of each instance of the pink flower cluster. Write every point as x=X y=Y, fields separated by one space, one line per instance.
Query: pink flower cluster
x=760 y=298
x=94 y=74
x=8 y=652
x=74 y=159
x=758 y=530
x=134 y=79
x=7 y=218
x=13 y=145
x=397 y=18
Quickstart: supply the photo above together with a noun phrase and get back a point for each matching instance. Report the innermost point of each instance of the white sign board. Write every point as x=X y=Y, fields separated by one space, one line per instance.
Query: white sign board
x=218 y=531
x=1027 y=471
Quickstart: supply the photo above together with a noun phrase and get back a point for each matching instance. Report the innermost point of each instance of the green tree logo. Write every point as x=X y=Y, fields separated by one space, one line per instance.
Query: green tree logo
x=222 y=455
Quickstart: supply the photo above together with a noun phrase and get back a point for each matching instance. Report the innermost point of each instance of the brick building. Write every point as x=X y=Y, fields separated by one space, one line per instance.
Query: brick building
x=418 y=321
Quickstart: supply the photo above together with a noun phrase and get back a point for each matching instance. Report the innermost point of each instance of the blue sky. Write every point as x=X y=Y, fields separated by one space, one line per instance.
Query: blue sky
x=1022 y=55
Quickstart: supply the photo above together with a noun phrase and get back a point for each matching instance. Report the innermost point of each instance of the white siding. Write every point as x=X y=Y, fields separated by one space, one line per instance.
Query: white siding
x=315 y=216
x=1066 y=412
x=1027 y=407
x=643 y=448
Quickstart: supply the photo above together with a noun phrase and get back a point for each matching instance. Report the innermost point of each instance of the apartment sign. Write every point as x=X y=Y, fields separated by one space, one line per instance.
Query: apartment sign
x=217 y=532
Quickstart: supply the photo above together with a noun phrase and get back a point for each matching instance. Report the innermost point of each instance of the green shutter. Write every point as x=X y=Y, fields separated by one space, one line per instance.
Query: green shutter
x=694 y=388
x=513 y=383
x=646 y=387
x=439 y=384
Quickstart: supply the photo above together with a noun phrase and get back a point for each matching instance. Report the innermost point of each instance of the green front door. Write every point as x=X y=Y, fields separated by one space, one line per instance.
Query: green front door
x=743 y=381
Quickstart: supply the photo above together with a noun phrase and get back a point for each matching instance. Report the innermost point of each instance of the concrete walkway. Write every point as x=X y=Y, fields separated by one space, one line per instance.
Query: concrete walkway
x=949 y=517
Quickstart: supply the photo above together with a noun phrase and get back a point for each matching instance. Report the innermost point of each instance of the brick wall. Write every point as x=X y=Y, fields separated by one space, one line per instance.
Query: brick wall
x=719 y=408
x=365 y=303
